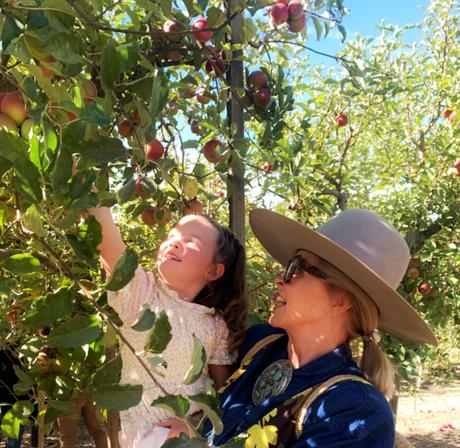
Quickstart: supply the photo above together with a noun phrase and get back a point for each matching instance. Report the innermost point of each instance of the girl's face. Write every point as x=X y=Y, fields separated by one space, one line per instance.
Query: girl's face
x=305 y=300
x=186 y=258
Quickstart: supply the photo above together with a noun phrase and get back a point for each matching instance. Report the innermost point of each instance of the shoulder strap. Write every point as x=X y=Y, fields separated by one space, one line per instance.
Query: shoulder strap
x=247 y=358
x=313 y=394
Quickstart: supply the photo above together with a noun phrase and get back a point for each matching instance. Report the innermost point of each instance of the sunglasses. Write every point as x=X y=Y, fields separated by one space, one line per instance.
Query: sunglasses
x=297 y=265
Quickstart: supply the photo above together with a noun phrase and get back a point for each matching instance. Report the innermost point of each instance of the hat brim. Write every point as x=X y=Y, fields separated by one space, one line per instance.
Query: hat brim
x=282 y=237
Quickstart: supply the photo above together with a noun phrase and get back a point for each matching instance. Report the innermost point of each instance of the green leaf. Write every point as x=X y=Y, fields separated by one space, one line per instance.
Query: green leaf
x=125 y=193
x=102 y=150
x=22 y=264
x=110 y=67
x=160 y=335
x=57 y=5
x=109 y=373
x=159 y=94
x=176 y=404
x=117 y=396
x=318 y=27
x=32 y=221
x=247 y=30
x=65 y=47
x=343 y=32
x=12 y=146
x=62 y=170
x=124 y=271
x=63 y=406
x=17 y=415
x=215 y=17
x=94 y=113
x=145 y=320
x=53 y=307
x=24 y=384
x=82 y=249
x=28 y=179
x=75 y=333
x=184 y=442
x=209 y=404
x=197 y=362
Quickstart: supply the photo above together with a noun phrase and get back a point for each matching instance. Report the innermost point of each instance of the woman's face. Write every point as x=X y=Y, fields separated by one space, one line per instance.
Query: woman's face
x=305 y=300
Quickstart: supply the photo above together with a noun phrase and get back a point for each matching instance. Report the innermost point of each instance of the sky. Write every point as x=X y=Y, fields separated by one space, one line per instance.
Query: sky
x=363 y=17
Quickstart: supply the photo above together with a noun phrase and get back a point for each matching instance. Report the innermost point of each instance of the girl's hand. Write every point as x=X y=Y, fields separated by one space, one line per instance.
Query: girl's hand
x=176 y=427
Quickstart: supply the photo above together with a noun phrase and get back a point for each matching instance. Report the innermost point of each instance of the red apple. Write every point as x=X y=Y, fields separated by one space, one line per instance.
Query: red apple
x=13 y=106
x=278 y=13
x=262 y=97
x=424 y=288
x=89 y=89
x=195 y=127
x=126 y=128
x=341 y=120
x=139 y=189
x=209 y=151
x=148 y=216
x=297 y=25
x=267 y=167
x=173 y=29
x=201 y=24
x=295 y=9
x=202 y=98
x=194 y=207
x=447 y=113
x=452 y=117
x=162 y=216
x=457 y=166
x=154 y=150
x=7 y=123
x=257 y=79
x=220 y=194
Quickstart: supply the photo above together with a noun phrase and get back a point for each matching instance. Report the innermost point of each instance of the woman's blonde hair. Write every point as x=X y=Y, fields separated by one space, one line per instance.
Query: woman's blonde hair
x=363 y=322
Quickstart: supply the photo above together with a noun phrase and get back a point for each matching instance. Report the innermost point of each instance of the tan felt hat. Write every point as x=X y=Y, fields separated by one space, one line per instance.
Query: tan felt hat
x=363 y=246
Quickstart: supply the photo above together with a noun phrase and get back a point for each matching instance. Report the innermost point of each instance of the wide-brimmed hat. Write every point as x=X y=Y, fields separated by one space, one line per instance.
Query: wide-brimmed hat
x=361 y=244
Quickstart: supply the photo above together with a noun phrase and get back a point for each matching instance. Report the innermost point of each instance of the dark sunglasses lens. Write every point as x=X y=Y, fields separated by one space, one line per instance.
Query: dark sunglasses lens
x=292 y=268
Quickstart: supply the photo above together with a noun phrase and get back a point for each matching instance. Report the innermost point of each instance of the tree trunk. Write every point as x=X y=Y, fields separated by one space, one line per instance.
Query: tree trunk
x=236 y=124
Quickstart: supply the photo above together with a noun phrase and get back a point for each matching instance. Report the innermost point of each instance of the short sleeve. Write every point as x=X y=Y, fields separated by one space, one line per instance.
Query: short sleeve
x=128 y=301
x=221 y=354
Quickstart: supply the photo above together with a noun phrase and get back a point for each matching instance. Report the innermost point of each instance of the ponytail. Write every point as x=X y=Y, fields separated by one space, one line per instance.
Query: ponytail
x=364 y=319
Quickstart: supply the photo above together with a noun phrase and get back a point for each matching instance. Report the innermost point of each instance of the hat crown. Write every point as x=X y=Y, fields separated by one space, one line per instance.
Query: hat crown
x=372 y=240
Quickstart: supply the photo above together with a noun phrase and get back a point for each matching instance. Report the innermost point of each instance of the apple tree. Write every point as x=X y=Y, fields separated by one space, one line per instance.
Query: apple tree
x=141 y=106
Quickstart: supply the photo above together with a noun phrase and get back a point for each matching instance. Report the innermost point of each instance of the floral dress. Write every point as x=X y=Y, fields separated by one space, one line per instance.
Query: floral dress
x=186 y=319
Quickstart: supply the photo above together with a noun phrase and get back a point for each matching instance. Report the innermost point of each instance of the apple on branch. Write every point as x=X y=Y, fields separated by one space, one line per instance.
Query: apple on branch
x=341 y=120
x=212 y=151
x=7 y=123
x=202 y=24
x=262 y=98
x=195 y=207
x=173 y=29
x=257 y=80
x=278 y=13
x=154 y=150
x=13 y=106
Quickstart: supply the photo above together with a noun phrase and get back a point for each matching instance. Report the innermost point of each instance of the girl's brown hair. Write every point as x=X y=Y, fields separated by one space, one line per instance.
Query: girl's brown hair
x=363 y=320
x=227 y=293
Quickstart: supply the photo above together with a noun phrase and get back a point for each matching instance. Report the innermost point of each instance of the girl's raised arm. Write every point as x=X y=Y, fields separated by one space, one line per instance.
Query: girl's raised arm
x=112 y=246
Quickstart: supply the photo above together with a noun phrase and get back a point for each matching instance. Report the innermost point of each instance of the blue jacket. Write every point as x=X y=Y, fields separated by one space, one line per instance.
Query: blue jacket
x=350 y=414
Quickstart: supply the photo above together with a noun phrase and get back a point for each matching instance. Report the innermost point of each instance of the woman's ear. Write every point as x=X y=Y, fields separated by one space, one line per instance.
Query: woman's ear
x=216 y=271
x=341 y=301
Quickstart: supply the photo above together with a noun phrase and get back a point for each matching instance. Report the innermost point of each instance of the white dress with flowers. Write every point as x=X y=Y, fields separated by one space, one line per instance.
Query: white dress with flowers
x=186 y=319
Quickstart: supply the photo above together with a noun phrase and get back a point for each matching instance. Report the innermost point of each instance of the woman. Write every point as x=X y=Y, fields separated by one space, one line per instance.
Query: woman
x=297 y=385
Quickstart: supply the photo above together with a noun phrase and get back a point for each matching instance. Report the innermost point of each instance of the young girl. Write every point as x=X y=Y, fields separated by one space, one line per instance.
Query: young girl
x=199 y=283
